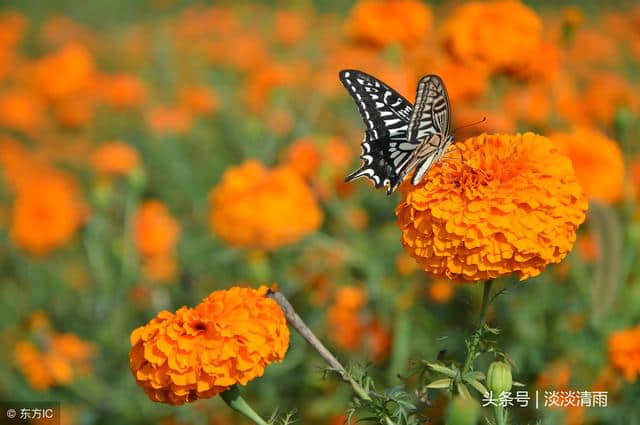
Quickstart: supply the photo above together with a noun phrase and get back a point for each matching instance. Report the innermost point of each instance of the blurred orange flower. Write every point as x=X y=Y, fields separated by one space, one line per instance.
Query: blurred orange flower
x=498 y=34
x=606 y=94
x=303 y=156
x=199 y=100
x=253 y=206
x=21 y=110
x=160 y=268
x=345 y=324
x=156 y=230
x=66 y=355
x=441 y=291
x=383 y=22
x=512 y=207
x=463 y=82
x=65 y=72
x=597 y=160
x=168 y=120
x=74 y=111
x=115 y=158
x=227 y=339
x=122 y=90
x=46 y=213
x=290 y=27
x=624 y=352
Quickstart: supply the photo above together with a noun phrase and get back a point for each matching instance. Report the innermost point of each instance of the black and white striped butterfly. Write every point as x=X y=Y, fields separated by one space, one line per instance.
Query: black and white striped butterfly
x=399 y=137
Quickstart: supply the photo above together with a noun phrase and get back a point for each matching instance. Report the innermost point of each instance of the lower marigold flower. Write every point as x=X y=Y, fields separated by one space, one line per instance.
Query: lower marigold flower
x=624 y=352
x=260 y=208
x=115 y=158
x=513 y=206
x=228 y=339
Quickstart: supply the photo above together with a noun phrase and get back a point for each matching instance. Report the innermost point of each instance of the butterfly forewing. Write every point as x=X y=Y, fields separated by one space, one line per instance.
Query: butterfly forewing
x=386 y=114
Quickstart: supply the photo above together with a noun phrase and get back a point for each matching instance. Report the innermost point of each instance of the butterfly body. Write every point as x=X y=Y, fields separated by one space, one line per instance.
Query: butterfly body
x=400 y=137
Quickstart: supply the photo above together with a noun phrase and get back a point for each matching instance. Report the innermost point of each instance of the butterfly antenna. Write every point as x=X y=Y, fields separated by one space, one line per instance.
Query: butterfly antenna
x=469 y=125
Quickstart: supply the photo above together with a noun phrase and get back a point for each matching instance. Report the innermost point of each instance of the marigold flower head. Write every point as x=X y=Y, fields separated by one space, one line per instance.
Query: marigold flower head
x=498 y=34
x=115 y=158
x=46 y=213
x=21 y=110
x=259 y=208
x=512 y=207
x=404 y=21
x=303 y=156
x=199 y=100
x=122 y=90
x=290 y=27
x=65 y=72
x=624 y=352
x=228 y=339
x=66 y=356
x=156 y=230
x=597 y=160
x=169 y=120
x=441 y=291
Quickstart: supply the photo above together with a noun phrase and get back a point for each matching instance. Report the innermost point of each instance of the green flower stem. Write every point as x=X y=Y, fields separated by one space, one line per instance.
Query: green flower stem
x=500 y=416
x=475 y=341
x=234 y=400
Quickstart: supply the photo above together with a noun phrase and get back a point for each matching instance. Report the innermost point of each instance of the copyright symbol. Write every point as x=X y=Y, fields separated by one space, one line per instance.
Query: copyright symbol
x=11 y=413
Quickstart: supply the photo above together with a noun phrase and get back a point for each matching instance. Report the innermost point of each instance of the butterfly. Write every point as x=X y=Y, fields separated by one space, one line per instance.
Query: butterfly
x=400 y=137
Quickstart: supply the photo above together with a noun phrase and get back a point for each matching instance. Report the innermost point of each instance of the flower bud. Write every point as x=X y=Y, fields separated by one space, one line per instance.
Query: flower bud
x=499 y=377
x=462 y=411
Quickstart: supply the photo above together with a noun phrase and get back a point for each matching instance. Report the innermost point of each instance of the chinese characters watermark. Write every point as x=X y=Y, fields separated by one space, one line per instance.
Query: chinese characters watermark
x=568 y=398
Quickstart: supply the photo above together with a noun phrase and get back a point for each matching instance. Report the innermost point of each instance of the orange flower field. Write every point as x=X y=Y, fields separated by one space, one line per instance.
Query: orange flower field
x=185 y=239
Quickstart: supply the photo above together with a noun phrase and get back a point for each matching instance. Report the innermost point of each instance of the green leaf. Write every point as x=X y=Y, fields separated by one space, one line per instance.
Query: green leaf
x=442 y=369
x=476 y=384
x=464 y=391
x=476 y=374
x=440 y=383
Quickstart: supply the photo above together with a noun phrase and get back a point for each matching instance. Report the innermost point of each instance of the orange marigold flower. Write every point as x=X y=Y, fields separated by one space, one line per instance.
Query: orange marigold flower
x=156 y=230
x=259 y=208
x=66 y=356
x=65 y=72
x=199 y=100
x=624 y=352
x=513 y=206
x=228 y=339
x=160 y=268
x=291 y=27
x=122 y=90
x=115 y=158
x=21 y=110
x=46 y=213
x=498 y=34
x=168 y=120
x=441 y=291
x=303 y=157
x=606 y=94
x=597 y=160
x=74 y=111
x=404 y=21
x=345 y=324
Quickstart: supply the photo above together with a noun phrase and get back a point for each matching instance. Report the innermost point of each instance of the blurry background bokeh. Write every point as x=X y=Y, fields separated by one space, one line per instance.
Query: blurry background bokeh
x=154 y=151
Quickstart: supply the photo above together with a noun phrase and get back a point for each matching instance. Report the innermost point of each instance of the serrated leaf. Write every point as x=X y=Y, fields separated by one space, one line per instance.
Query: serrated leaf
x=440 y=383
x=476 y=384
x=491 y=330
x=442 y=369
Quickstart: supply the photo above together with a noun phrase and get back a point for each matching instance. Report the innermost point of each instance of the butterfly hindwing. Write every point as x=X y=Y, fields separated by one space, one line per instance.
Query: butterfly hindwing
x=386 y=115
x=429 y=126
